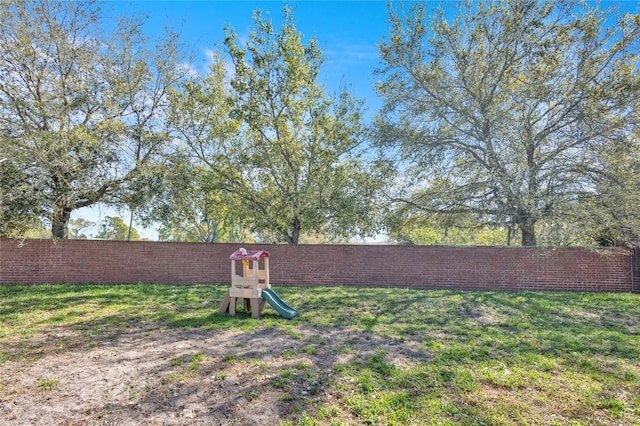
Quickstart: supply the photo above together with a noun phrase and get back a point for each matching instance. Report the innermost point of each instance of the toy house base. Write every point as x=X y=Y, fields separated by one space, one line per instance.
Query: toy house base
x=255 y=305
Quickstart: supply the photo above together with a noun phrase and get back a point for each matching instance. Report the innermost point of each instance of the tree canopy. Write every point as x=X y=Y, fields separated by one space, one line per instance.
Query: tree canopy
x=189 y=206
x=505 y=111
x=511 y=118
x=274 y=139
x=81 y=110
x=114 y=228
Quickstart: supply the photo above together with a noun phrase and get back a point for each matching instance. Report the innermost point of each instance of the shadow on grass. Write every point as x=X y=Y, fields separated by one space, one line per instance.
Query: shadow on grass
x=388 y=355
x=456 y=325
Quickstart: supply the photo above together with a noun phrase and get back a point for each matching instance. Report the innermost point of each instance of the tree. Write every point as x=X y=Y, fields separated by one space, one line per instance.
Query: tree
x=114 y=228
x=611 y=216
x=78 y=226
x=17 y=197
x=447 y=230
x=83 y=108
x=505 y=111
x=190 y=207
x=276 y=141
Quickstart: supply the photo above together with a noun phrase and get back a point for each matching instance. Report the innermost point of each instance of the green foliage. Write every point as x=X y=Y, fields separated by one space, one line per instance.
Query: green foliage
x=47 y=384
x=191 y=207
x=18 y=197
x=611 y=217
x=448 y=230
x=193 y=203
x=82 y=107
x=272 y=138
x=196 y=361
x=114 y=228
x=505 y=111
x=457 y=237
x=77 y=226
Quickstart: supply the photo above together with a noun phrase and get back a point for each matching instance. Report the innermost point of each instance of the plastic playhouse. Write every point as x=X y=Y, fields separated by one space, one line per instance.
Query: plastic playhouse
x=250 y=281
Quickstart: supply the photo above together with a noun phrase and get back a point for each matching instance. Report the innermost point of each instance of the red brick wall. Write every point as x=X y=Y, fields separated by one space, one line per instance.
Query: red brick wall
x=636 y=270
x=517 y=268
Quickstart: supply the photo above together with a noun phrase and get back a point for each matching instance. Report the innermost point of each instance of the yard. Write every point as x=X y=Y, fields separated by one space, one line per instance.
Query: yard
x=161 y=354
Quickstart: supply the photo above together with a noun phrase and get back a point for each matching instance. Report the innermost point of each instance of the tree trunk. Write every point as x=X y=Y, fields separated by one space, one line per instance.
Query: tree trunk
x=293 y=237
x=130 y=225
x=528 y=234
x=60 y=222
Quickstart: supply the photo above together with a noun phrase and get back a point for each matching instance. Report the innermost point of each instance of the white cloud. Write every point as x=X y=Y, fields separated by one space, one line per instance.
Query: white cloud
x=351 y=54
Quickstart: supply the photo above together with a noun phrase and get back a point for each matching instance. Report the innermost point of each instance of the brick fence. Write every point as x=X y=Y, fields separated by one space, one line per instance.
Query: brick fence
x=635 y=272
x=515 y=268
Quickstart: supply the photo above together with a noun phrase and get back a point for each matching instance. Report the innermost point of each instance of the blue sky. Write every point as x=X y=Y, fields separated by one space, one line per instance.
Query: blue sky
x=347 y=31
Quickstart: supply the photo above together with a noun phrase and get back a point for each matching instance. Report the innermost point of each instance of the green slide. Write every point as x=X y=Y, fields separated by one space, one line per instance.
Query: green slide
x=278 y=304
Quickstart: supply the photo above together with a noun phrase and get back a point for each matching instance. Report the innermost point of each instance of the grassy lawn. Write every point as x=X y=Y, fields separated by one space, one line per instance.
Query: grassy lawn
x=458 y=358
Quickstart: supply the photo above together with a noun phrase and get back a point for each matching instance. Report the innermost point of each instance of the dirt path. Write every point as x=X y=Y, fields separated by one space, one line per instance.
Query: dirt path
x=180 y=377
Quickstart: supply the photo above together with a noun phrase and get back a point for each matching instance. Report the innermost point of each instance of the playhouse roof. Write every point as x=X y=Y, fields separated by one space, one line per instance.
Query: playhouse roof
x=250 y=255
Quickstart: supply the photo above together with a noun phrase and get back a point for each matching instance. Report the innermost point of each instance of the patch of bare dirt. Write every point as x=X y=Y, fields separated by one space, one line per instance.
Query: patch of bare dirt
x=181 y=377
